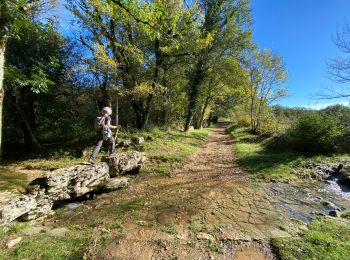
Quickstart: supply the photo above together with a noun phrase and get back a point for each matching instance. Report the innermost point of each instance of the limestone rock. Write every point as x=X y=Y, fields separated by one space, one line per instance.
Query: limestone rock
x=205 y=236
x=76 y=181
x=13 y=242
x=124 y=143
x=116 y=183
x=137 y=140
x=124 y=162
x=15 y=207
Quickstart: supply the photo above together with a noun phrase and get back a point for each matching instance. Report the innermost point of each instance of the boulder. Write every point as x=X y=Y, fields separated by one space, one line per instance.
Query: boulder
x=115 y=184
x=61 y=184
x=137 y=140
x=344 y=174
x=124 y=143
x=126 y=162
x=75 y=181
x=15 y=207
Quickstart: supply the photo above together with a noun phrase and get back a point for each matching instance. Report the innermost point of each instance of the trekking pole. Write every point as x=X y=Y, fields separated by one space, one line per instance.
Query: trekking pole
x=117 y=118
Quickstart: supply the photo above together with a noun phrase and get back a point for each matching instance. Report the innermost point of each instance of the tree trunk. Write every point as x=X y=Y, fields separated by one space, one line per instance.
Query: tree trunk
x=2 y=69
x=195 y=83
x=203 y=112
x=30 y=140
x=210 y=118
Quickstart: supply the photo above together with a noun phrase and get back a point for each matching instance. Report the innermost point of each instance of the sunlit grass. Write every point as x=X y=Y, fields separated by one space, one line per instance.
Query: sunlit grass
x=327 y=238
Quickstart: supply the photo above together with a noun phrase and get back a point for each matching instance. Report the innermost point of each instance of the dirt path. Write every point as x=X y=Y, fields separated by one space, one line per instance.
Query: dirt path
x=206 y=210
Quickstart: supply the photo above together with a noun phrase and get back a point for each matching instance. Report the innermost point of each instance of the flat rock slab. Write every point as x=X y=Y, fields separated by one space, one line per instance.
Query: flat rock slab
x=233 y=235
x=205 y=236
x=13 y=242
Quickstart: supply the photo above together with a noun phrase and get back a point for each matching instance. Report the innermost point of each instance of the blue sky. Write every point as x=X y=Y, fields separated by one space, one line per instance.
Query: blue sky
x=301 y=31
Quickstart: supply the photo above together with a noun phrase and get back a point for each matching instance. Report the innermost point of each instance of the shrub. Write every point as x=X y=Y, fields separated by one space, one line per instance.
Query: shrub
x=314 y=132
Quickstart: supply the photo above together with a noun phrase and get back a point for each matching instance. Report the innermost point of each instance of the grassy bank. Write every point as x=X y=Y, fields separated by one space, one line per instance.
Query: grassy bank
x=327 y=238
x=264 y=160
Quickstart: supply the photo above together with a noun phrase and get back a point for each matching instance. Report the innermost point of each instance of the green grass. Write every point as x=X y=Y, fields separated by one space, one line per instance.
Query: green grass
x=260 y=162
x=43 y=246
x=11 y=180
x=265 y=162
x=171 y=149
x=327 y=238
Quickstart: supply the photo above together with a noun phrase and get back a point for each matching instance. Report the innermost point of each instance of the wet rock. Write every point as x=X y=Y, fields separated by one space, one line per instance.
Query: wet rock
x=75 y=181
x=13 y=242
x=335 y=213
x=344 y=174
x=127 y=162
x=205 y=236
x=116 y=183
x=137 y=140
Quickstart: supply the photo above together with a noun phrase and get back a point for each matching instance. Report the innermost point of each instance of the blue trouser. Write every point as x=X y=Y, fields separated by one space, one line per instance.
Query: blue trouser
x=98 y=145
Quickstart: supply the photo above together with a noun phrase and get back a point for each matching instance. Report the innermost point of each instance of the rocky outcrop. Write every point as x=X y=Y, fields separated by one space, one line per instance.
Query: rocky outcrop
x=61 y=184
x=324 y=172
x=122 y=163
x=16 y=206
x=68 y=183
x=75 y=181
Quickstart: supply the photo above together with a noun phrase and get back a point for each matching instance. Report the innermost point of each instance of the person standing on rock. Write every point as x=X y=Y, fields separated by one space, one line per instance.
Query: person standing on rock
x=103 y=133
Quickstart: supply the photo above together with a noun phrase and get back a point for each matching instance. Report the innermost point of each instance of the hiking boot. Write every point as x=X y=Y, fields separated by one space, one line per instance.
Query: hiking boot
x=91 y=161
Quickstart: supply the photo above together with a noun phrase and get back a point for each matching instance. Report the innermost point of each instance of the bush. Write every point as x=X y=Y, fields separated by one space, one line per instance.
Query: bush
x=315 y=132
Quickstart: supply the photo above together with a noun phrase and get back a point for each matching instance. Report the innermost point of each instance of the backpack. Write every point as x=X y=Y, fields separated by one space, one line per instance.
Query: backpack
x=100 y=126
x=99 y=123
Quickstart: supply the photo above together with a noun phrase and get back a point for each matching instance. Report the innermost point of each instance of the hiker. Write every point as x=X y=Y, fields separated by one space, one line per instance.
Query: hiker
x=103 y=130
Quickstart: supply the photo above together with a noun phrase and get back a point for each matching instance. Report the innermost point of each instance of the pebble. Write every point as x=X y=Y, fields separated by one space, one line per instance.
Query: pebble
x=13 y=242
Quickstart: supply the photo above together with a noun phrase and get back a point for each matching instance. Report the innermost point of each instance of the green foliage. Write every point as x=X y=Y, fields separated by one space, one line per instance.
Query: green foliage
x=260 y=161
x=326 y=239
x=314 y=132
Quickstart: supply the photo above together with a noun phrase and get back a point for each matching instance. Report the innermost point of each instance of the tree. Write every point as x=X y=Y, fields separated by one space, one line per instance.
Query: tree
x=137 y=37
x=222 y=32
x=10 y=12
x=339 y=67
x=226 y=78
x=32 y=67
x=266 y=72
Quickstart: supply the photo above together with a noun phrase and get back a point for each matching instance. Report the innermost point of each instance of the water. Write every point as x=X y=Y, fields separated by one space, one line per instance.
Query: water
x=338 y=188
